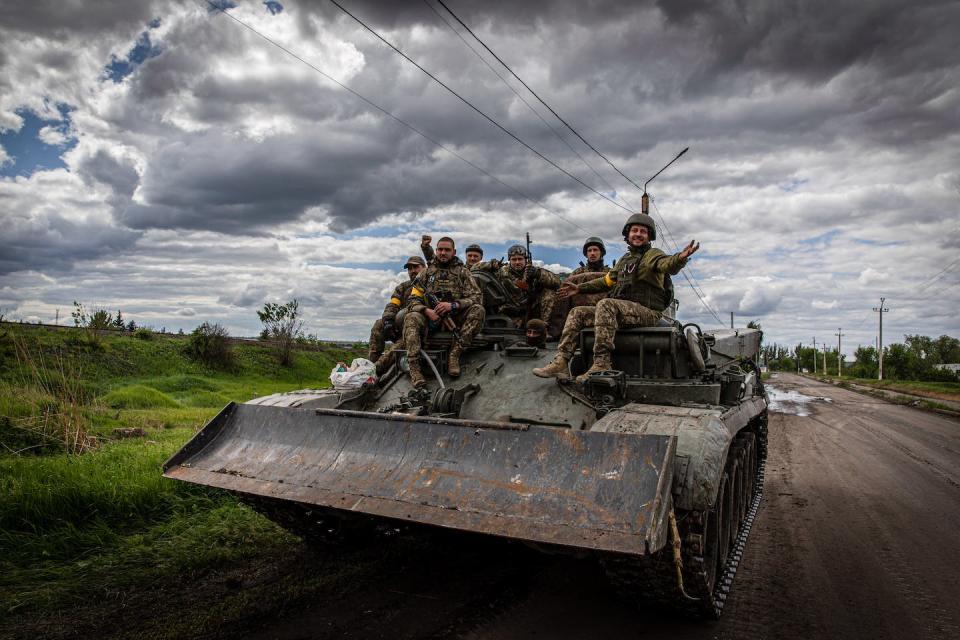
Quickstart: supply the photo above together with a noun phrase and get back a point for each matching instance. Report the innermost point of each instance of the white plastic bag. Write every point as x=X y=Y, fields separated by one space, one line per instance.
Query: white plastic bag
x=361 y=371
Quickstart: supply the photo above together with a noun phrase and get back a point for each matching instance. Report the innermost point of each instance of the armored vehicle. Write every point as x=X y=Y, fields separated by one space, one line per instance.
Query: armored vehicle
x=655 y=468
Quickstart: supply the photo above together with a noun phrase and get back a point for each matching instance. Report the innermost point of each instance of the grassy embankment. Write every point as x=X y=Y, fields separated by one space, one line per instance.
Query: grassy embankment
x=925 y=389
x=86 y=536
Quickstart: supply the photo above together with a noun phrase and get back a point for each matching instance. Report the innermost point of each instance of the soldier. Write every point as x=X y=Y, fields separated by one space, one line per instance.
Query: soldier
x=594 y=251
x=387 y=327
x=532 y=289
x=444 y=290
x=536 y=333
x=637 y=297
x=473 y=253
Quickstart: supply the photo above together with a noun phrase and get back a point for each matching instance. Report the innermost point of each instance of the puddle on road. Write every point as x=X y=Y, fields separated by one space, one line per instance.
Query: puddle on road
x=791 y=402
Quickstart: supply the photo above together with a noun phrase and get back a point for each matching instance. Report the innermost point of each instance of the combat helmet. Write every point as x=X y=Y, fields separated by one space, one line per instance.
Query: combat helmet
x=474 y=247
x=645 y=220
x=517 y=250
x=594 y=241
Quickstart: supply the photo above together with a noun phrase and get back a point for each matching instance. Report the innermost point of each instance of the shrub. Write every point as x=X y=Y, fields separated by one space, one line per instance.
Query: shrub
x=208 y=344
x=281 y=324
x=143 y=333
x=93 y=321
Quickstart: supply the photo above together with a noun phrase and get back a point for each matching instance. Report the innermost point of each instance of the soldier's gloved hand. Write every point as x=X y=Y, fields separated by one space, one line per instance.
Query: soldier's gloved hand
x=388 y=327
x=425 y=240
x=532 y=274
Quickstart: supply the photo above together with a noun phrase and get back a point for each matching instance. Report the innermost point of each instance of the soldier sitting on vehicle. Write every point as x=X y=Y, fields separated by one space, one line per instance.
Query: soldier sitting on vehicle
x=637 y=297
x=473 y=254
x=594 y=251
x=443 y=297
x=390 y=324
x=532 y=289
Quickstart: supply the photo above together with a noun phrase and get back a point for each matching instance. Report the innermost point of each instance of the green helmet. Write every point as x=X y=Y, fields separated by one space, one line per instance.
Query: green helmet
x=594 y=241
x=517 y=250
x=645 y=220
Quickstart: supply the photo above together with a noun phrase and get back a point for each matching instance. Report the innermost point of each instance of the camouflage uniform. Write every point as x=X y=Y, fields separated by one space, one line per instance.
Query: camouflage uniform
x=591 y=267
x=450 y=282
x=637 y=297
x=397 y=301
x=545 y=285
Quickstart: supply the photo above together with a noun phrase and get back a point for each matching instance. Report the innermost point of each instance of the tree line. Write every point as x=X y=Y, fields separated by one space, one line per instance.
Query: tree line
x=913 y=359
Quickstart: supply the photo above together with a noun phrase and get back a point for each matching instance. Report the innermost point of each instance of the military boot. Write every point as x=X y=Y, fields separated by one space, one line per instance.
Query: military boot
x=453 y=361
x=416 y=375
x=558 y=367
x=601 y=362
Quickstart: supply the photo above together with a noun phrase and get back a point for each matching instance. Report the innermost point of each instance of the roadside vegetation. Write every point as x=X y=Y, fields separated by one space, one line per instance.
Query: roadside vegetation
x=88 y=526
x=916 y=360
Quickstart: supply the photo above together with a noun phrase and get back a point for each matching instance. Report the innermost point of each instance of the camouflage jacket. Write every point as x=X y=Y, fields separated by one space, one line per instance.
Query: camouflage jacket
x=639 y=276
x=427 y=252
x=398 y=300
x=517 y=286
x=590 y=267
x=451 y=282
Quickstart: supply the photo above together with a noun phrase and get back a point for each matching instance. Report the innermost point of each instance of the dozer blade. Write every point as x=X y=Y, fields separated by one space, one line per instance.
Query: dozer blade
x=603 y=491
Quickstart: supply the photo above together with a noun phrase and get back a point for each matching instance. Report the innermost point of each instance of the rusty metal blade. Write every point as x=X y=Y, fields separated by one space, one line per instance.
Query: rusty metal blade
x=601 y=491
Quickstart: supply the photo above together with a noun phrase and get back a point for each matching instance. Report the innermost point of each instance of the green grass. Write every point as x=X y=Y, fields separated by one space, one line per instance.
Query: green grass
x=80 y=533
x=947 y=390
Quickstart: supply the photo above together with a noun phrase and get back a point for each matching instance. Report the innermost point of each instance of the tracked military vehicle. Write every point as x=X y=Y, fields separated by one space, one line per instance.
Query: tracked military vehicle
x=656 y=468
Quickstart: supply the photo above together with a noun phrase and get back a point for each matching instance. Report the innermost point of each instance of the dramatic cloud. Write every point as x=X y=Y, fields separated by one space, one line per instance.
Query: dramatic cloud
x=161 y=158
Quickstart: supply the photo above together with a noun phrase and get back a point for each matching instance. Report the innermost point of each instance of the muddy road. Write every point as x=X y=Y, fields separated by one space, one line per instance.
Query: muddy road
x=856 y=538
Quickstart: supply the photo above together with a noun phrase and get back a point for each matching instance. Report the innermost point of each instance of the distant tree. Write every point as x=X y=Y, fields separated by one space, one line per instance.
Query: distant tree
x=947 y=348
x=118 y=321
x=283 y=325
x=866 y=365
x=131 y=326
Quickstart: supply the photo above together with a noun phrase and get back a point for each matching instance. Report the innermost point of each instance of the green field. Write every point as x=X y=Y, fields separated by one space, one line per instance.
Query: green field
x=88 y=527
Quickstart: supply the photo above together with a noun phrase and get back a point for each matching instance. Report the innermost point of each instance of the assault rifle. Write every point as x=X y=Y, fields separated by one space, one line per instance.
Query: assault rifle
x=445 y=320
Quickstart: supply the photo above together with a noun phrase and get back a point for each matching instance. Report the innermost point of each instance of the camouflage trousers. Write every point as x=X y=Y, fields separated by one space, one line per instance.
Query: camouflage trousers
x=542 y=309
x=609 y=315
x=468 y=320
x=377 y=341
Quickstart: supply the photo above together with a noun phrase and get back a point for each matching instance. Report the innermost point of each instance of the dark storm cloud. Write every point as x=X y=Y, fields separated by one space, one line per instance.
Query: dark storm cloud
x=55 y=243
x=103 y=167
x=47 y=17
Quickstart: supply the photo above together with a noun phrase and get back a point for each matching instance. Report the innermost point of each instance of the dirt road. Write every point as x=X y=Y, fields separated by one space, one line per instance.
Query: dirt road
x=856 y=538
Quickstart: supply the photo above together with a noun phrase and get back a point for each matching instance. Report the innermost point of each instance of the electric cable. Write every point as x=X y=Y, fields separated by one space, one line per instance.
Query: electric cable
x=394 y=117
x=523 y=100
x=537 y=96
x=477 y=109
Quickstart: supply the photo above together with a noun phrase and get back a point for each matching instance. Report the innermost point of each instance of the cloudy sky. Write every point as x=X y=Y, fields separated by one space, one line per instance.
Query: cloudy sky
x=164 y=159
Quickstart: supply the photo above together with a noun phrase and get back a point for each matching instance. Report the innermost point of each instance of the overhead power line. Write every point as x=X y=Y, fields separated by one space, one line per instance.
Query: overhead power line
x=394 y=117
x=477 y=109
x=521 y=98
x=537 y=96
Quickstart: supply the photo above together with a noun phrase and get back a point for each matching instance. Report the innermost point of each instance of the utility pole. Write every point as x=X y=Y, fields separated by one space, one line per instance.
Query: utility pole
x=839 y=353
x=799 y=346
x=57 y=318
x=731 y=319
x=824 y=358
x=814 y=355
x=881 y=311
